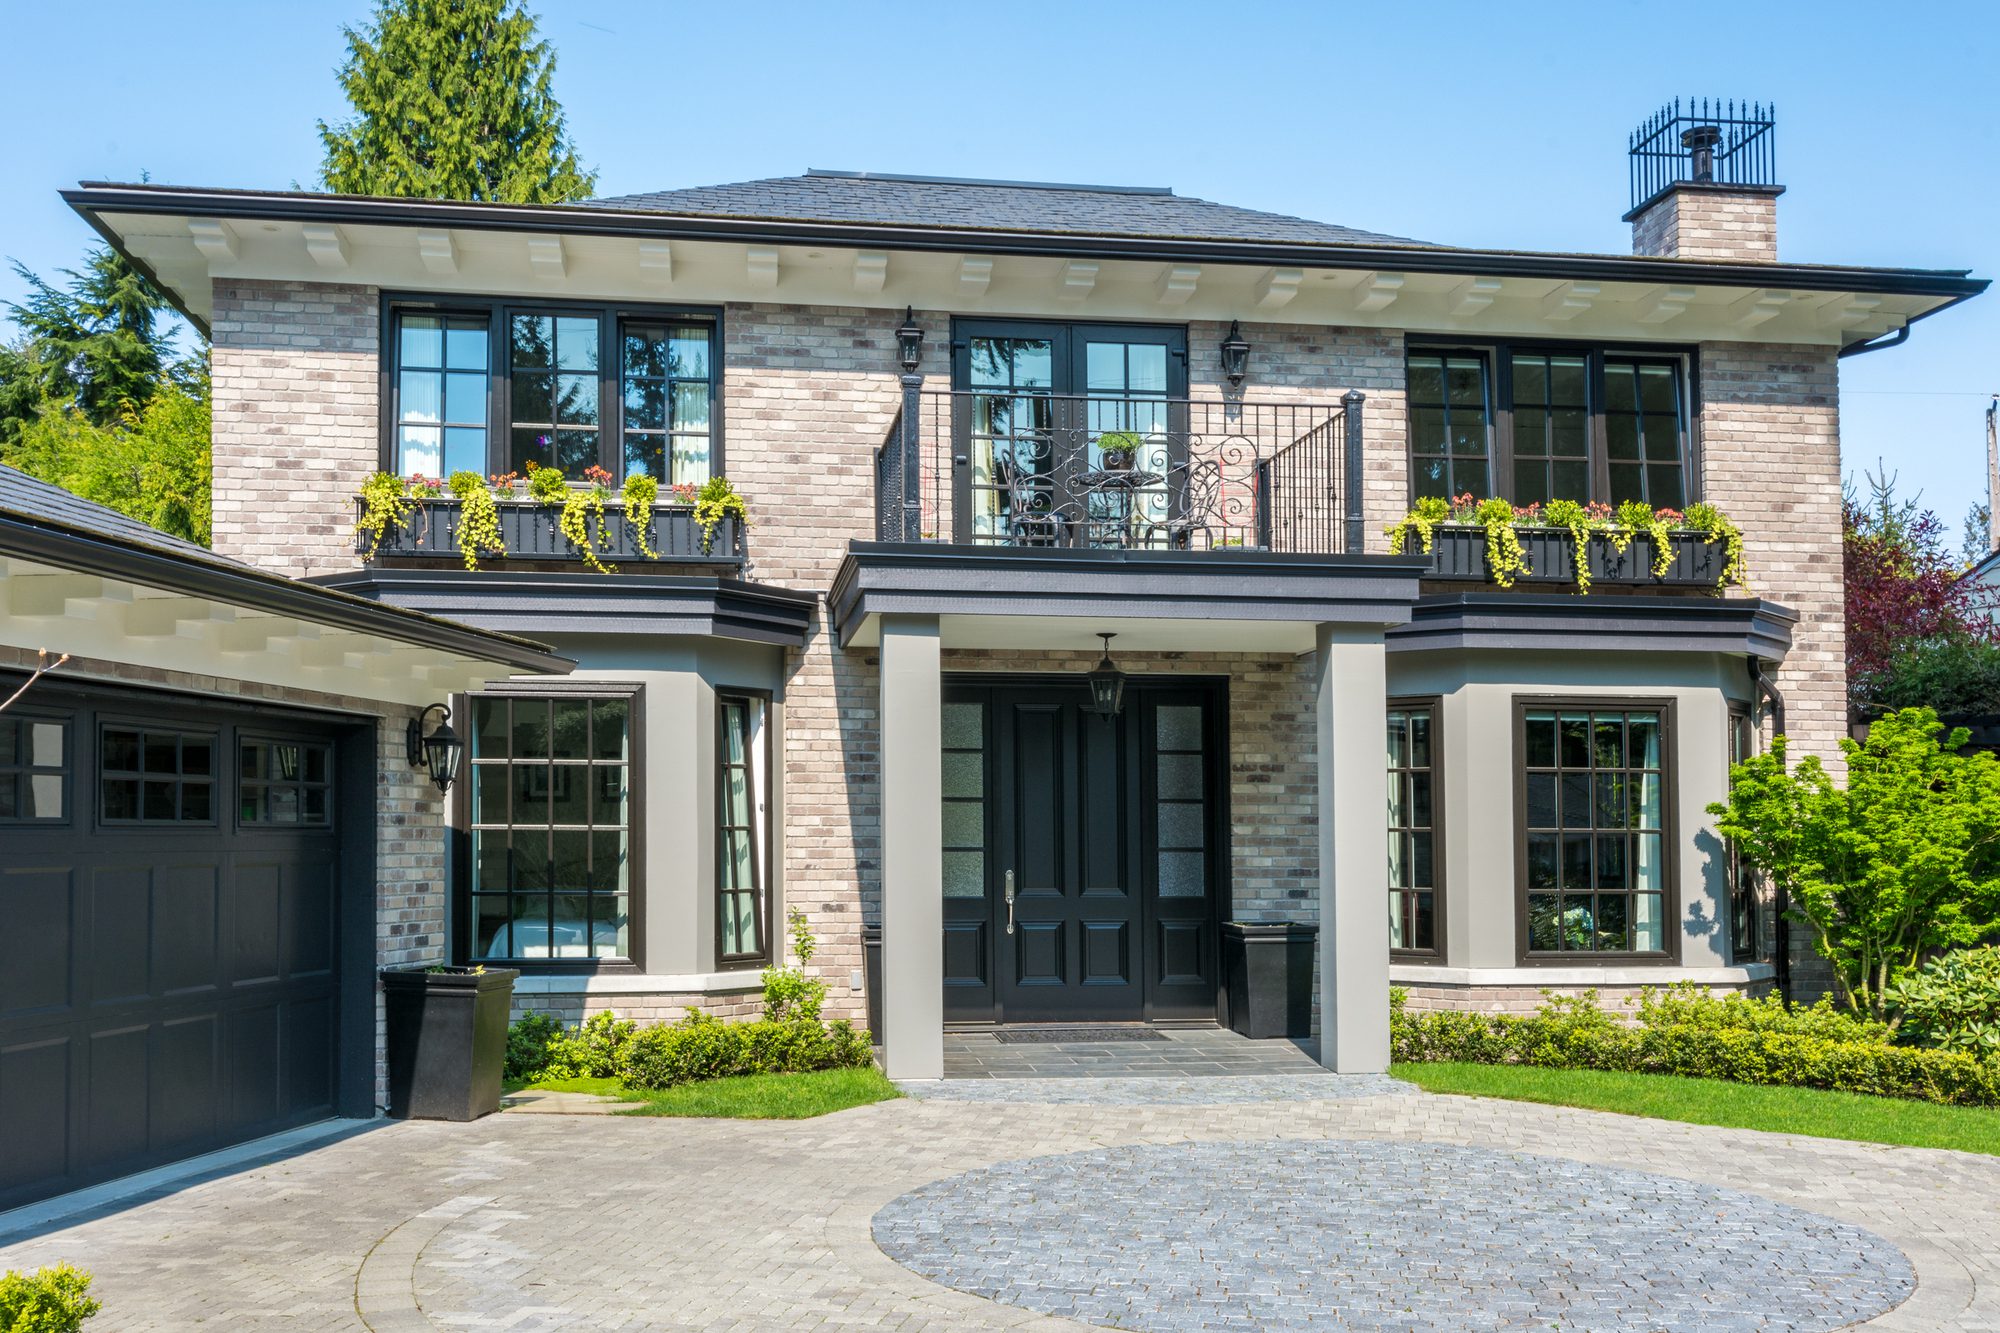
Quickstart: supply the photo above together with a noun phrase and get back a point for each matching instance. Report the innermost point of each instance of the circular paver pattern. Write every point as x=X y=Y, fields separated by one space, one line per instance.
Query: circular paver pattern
x=1372 y=1235
x=1159 y=1090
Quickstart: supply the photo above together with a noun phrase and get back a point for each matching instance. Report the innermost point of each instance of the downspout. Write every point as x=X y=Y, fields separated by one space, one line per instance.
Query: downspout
x=1781 y=928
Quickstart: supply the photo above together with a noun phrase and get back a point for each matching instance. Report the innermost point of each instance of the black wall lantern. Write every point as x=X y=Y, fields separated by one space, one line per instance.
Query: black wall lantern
x=1235 y=354
x=438 y=752
x=1107 y=683
x=910 y=341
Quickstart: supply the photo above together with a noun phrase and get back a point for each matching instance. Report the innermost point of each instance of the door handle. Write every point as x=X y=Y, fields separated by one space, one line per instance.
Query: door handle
x=1010 y=902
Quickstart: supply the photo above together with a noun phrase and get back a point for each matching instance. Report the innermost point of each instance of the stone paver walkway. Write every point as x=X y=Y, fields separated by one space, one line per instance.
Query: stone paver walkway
x=1172 y=1053
x=531 y=1222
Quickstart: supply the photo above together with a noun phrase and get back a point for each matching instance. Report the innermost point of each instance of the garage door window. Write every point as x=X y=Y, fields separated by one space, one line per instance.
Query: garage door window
x=551 y=841
x=156 y=777
x=32 y=775
x=284 y=782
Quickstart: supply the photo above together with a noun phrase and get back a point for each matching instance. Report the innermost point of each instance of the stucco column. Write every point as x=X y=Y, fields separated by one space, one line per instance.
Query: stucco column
x=911 y=713
x=1350 y=710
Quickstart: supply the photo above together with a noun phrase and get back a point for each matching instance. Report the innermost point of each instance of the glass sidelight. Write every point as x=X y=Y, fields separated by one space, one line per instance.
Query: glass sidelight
x=1183 y=801
x=964 y=788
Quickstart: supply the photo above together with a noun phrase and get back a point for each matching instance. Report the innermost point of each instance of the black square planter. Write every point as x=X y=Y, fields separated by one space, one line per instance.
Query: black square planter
x=1269 y=971
x=447 y=1040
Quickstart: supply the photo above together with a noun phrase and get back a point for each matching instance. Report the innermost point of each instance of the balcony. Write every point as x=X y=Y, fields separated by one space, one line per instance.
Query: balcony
x=1041 y=471
x=529 y=533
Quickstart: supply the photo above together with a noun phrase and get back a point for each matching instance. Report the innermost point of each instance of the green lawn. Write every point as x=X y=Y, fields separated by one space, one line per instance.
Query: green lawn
x=1700 y=1101
x=754 y=1097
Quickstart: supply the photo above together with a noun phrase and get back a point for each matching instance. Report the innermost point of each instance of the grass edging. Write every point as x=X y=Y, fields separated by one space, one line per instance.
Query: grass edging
x=745 y=1097
x=1852 y=1116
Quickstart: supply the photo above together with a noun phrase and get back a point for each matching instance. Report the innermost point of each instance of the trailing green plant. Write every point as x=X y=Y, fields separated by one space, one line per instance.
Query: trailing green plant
x=478 y=518
x=1572 y=1033
x=385 y=503
x=49 y=1300
x=1577 y=518
x=1505 y=560
x=1952 y=1002
x=1636 y=516
x=641 y=493
x=715 y=501
x=1716 y=526
x=1422 y=519
x=1902 y=862
x=577 y=506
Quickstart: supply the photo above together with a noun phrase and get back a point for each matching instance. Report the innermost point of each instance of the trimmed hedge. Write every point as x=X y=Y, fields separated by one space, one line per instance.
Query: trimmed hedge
x=1694 y=1036
x=663 y=1055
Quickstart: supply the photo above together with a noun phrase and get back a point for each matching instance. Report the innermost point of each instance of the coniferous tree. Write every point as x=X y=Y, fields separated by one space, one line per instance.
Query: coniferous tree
x=452 y=100
x=97 y=345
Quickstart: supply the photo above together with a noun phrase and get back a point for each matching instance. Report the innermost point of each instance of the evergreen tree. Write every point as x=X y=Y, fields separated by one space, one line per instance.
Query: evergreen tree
x=452 y=100
x=98 y=345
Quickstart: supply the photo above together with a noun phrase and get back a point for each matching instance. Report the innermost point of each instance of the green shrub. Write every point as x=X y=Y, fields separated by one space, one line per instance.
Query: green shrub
x=597 y=1049
x=528 y=1041
x=48 y=1300
x=1681 y=1034
x=790 y=992
x=1685 y=1004
x=1952 y=1002
x=702 y=1046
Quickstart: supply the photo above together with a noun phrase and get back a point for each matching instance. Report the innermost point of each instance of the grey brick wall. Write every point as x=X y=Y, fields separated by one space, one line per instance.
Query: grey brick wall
x=1704 y=224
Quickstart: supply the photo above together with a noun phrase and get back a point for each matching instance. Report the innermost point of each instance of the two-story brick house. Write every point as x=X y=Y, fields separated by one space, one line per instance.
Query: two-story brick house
x=979 y=426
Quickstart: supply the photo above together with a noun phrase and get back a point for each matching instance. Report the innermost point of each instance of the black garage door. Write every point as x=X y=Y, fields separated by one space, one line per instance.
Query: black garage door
x=168 y=932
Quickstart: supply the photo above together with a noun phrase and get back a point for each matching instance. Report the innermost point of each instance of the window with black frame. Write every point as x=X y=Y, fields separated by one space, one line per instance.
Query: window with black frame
x=492 y=386
x=551 y=834
x=1414 y=863
x=151 y=775
x=1745 y=947
x=283 y=782
x=741 y=831
x=1537 y=423
x=34 y=768
x=1593 y=811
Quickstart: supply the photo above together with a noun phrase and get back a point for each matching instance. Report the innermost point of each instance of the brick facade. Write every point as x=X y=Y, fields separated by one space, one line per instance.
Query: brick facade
x=1621 y=1001
x=1692 y=222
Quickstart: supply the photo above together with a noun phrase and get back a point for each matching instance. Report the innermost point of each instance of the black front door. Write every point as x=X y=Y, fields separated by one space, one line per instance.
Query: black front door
x=1081 y=862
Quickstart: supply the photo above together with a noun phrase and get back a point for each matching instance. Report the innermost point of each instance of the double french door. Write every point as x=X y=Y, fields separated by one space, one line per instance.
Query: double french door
x=1067 y=434
x=1083 y=855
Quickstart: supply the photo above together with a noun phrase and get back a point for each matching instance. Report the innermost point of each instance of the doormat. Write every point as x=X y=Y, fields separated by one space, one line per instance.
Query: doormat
x=1076 y=1034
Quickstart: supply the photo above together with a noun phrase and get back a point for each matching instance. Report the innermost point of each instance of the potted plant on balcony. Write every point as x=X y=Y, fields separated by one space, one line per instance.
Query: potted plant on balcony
x=1569 y=542
x=1117 y=450
x=447 y=1039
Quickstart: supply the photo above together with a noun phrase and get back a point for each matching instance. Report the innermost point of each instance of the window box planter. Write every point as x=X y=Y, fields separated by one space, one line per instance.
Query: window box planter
x=1268 y=972
x=447 y=1040
x=1458 y=553
x=529 y=532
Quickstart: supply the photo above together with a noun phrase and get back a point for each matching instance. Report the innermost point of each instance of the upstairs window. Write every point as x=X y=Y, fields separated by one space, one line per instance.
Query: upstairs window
x=1535 y=423
x=492 y=387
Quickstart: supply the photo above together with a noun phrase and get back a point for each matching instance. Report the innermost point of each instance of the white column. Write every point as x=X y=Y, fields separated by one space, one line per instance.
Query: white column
x=1351 y=711
x=911 y=714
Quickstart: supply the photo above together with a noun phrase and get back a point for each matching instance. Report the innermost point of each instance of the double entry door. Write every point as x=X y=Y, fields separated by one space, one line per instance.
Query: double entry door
x=1083 y=855
x=1067 y=434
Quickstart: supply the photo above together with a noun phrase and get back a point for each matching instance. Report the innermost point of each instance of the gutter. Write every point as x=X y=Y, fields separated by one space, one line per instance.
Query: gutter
x=95 y=197
x=78 y=551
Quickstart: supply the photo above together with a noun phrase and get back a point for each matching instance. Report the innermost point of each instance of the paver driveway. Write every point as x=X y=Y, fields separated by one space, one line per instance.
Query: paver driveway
x=530 y=1222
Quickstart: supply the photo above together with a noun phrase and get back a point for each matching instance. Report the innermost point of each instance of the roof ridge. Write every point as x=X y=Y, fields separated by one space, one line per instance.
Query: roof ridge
x=830 y=173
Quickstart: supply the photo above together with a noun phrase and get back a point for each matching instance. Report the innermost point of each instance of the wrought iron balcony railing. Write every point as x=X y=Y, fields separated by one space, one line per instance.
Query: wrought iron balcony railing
x=1025 y=469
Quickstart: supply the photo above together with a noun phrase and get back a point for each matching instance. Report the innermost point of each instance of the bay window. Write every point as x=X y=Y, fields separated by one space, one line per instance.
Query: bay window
x=492 y=387
x=1594 y=828
x=1416 y=869
x=1534 y=423
x=550 y=872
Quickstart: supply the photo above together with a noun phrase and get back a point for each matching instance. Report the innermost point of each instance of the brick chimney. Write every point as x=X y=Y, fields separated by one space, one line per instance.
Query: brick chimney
x=1704 y=183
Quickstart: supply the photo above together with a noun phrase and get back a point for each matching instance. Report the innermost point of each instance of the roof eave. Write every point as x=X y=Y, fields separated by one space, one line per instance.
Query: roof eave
x=91 y=199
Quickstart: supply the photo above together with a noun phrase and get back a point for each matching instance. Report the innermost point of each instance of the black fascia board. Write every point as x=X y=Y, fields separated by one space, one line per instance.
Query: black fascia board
x=1530 y=622
x=74 y=552
x=929 y=578
x=565 y=603
x=94 y=197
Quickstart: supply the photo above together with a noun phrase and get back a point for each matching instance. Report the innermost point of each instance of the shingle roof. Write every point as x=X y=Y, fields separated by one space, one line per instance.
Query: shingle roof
x=34 y=499
x=927 y=201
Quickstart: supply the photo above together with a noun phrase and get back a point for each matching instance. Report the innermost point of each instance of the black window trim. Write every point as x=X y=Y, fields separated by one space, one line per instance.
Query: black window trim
x=67 y=718
x=499 y=391
x=220 y=785
x=1499 y=353
x=1670 y=904
x=459 y=929
x=1440 y=834
x=766 y=846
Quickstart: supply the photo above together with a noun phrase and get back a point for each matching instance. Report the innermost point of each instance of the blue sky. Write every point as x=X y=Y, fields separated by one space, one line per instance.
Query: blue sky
x=1472 y=124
